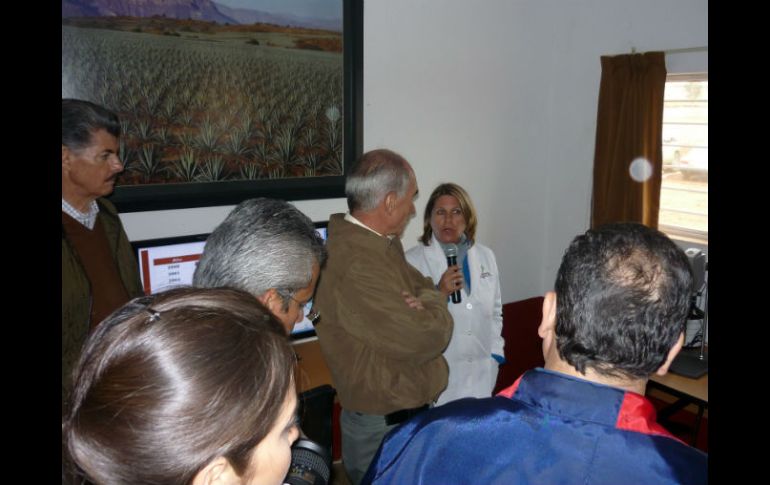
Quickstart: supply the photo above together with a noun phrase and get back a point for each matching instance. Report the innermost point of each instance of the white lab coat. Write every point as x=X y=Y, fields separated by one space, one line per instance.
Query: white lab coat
x=478 y=320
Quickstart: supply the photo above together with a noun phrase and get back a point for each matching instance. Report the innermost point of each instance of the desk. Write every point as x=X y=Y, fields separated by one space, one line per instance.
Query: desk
x=316 y=404
x=695 y=389
x=311 y=370
x=688 y=391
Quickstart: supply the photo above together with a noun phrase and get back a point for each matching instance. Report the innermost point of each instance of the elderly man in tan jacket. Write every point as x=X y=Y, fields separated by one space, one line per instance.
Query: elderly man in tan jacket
x=384 y=325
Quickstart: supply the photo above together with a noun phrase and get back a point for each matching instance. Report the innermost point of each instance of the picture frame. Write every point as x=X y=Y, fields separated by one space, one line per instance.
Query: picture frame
x=272 y=157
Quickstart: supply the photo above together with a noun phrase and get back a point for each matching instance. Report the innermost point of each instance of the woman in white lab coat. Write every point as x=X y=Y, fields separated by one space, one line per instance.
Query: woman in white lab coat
x=476 y=348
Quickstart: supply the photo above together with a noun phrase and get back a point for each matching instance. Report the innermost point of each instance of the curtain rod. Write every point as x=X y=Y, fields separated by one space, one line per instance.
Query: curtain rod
x=686 y=49
x=704 y=48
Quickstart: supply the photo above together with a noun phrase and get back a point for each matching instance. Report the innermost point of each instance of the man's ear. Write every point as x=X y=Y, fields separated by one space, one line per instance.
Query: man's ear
x=547 y=331
x=662 y=370
x=390 y=201
x=548 y=322
x=217 y=472
x=272 y=300
x=65 y=156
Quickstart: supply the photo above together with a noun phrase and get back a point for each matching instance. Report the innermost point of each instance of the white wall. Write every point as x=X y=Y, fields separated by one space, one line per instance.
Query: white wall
x=150 y=225
x=499 y=96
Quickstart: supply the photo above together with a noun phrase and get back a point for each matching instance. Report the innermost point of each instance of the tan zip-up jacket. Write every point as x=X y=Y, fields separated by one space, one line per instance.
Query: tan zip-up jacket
x=383 y=355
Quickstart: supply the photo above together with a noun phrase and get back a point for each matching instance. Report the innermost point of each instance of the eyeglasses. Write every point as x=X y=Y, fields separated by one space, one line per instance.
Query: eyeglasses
x=313 y=315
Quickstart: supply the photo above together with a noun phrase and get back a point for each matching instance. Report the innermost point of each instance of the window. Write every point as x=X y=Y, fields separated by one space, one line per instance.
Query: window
x=684 y=190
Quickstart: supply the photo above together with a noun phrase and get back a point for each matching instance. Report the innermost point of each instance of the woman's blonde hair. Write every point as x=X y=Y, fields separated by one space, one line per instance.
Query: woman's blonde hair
x=469 y=212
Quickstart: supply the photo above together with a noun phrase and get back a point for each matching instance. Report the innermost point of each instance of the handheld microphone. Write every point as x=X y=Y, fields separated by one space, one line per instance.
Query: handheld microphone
x=451 y=260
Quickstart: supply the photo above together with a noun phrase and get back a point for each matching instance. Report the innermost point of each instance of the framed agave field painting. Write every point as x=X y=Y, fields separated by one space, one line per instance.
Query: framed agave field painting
x=221 y=100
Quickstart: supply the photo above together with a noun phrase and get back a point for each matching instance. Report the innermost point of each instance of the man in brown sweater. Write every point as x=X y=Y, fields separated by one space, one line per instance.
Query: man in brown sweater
x=384 y=325
x=99 y=270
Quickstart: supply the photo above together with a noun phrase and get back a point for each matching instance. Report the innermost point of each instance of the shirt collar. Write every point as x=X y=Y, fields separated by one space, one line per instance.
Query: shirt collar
x=355 y=221
x=572 y=397
x=88 y=219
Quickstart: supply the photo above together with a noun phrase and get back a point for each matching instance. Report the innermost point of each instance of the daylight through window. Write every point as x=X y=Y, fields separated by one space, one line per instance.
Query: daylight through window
x=684 y=190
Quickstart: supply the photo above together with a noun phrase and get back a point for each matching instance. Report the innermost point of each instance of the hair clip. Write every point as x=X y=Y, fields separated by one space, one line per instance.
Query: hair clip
x=154 y=314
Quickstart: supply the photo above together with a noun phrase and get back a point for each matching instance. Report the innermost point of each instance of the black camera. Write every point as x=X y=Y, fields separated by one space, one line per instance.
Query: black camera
x=310 y=464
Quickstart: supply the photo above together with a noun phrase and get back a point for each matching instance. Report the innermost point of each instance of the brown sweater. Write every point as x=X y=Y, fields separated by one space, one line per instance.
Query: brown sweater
x=107 y=290
x=76 y=303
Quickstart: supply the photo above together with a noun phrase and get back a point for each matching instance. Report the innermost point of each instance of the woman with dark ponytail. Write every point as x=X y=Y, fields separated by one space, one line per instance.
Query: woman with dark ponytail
x=191 y=386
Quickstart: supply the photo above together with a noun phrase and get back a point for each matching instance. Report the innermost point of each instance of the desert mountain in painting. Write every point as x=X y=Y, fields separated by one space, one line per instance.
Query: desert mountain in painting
x=251 y=16
x=205 y=10
x=178 y=9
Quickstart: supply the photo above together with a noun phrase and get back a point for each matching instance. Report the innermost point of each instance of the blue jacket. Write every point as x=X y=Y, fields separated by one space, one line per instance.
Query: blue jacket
x=548 y=428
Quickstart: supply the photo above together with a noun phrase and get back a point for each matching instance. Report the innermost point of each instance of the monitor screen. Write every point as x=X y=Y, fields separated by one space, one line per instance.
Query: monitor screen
x=170 y=262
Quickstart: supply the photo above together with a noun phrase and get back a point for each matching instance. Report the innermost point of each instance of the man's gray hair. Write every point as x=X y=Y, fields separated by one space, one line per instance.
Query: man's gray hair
x=262 y=244
x=81 y=119
x=376 y=173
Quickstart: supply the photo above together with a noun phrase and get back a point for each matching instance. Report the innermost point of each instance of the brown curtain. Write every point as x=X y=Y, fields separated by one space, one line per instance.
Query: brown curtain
x=628 y=126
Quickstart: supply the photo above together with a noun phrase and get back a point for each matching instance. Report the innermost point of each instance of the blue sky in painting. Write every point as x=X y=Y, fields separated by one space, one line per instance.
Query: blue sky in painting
x=303 y=8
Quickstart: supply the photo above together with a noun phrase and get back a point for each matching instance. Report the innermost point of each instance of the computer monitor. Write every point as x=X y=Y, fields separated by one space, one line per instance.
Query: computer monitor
x=170 y=262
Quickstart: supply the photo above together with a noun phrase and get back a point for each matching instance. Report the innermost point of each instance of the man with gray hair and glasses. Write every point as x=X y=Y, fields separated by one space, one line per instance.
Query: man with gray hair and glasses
x=270 y=249
x=384 y=324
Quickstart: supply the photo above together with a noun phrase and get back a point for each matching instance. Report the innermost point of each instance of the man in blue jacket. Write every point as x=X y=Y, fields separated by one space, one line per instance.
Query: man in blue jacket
x=617 y=317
